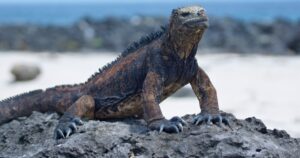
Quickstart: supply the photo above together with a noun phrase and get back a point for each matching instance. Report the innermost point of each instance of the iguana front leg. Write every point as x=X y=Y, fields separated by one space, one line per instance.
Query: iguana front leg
x=207 y=96
x=152 y=90
x=83 y=107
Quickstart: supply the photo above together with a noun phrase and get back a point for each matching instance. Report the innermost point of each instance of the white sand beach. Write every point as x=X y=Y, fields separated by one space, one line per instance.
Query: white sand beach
x=266 y=87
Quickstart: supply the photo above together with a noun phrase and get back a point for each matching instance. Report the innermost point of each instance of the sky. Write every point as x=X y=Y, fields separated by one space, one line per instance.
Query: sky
x=128 y=1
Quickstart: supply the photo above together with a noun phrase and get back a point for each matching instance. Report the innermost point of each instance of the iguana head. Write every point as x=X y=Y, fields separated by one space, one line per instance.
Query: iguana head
x=186 y=26
x=189 y=19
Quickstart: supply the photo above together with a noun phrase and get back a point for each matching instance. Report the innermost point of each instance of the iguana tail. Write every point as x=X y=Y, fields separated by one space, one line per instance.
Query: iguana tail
x=39 y=100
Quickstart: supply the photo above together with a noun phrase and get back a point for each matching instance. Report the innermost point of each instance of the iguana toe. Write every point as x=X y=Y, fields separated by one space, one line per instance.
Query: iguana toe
x=78 y=121
x=226 y=121
x=73 y=126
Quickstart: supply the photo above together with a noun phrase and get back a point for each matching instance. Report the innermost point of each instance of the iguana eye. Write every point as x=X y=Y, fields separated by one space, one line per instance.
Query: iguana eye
x=201 y=13
x=185 y=14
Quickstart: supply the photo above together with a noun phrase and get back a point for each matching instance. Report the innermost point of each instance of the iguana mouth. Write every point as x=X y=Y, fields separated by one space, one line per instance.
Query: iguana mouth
x=197 y=22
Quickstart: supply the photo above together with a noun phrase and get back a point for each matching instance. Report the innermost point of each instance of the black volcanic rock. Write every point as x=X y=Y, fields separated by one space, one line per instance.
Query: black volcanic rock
x=33 y=137
x=225 y=35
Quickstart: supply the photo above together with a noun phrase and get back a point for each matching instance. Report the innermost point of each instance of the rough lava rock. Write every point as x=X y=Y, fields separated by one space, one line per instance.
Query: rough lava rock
x=33 y=137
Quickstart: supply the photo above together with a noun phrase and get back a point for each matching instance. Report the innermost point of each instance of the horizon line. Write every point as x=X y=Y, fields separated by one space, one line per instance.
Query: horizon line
x=132 y=1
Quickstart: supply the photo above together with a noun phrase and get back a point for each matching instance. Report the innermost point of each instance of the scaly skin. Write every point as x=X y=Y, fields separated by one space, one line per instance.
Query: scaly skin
x=134 y=84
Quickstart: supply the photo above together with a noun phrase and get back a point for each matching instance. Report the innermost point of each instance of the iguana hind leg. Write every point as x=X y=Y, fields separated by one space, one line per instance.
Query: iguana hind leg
x=207 y=96
x=84 y=107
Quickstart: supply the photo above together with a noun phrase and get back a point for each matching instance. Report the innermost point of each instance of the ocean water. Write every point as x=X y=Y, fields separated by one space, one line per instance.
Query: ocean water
x=65 y=14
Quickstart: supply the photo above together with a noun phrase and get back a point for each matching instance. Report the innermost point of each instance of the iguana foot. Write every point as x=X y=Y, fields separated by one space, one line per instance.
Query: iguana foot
x=209 y=118
x=66 y=127
x=174 y=125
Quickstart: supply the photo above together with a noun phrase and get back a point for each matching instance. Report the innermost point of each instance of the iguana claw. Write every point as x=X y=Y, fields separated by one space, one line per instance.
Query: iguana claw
x=59 y=134
x=68 y=132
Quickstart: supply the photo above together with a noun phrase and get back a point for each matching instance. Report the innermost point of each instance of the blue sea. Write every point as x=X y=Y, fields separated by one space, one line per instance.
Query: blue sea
x=65 y=14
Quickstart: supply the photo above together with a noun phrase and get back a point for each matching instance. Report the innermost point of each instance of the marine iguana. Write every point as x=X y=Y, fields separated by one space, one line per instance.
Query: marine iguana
x=134 y=84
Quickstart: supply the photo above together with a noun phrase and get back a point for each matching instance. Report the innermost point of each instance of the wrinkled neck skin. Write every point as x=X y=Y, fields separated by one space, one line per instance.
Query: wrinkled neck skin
x=183 y=42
